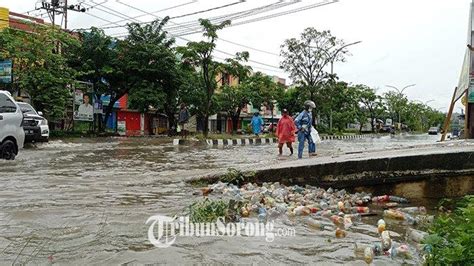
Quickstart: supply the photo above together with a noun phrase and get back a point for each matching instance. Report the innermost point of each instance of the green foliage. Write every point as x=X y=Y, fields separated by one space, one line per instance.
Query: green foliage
x=38 y=68
x=200 y=55
x=146 y=95
x=292 y=100
x=207 y=211
x=451 y=236
x=237 y=177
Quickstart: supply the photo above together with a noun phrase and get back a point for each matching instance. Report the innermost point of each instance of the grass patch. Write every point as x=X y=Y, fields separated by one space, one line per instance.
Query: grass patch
x=236 y=177
x=208 y=211
x=451 y=238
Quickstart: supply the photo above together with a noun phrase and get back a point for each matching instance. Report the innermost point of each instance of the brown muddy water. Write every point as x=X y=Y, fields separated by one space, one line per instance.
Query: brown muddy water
x=86 y=201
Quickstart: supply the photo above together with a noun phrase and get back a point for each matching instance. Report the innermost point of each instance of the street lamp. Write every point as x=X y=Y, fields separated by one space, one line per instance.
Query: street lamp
x=424 y=103
x=400 y=93
x=423 y=117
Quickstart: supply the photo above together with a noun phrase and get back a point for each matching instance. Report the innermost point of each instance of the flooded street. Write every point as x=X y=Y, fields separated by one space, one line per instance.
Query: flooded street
x=86 y=201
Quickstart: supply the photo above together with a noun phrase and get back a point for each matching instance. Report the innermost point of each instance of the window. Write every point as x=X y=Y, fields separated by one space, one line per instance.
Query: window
x=6 y=104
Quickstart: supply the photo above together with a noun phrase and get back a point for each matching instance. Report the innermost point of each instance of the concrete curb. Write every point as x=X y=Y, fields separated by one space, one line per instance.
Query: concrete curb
x=240 y=142
x=255 y=141
x=349 y=137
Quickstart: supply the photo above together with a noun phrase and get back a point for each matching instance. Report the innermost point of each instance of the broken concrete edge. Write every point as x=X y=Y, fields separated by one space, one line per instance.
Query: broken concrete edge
x=362 y=172
x=254 y=141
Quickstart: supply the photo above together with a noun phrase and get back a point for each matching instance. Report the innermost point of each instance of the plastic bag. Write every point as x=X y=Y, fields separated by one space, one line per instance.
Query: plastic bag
x=178 y=128
x=315 y=135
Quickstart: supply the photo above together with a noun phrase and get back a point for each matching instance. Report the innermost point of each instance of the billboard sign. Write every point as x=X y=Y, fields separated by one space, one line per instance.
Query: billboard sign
x=464 y=80
x=6 y=71
x=83 y=105
x=470 y=98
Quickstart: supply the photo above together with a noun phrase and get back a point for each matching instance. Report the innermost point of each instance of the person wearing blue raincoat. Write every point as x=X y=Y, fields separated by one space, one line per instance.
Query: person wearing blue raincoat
x=303 y=124
x=257 y=124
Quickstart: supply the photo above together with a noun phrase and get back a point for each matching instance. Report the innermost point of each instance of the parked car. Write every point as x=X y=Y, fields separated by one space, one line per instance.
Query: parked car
x=433 y=131
x=12 y=136
x=35 y=125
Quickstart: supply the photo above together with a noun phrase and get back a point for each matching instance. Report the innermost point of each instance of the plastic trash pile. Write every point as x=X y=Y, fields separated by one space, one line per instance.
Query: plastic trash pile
x=329 y=209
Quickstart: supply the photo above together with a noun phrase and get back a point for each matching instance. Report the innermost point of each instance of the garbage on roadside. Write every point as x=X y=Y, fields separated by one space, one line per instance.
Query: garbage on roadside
x=331 y=209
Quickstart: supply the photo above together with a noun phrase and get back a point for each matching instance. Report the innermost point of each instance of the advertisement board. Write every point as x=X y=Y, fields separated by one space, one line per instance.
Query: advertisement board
x=6 y=71
x=464 y=80
x=470 y=98
x=83 y=106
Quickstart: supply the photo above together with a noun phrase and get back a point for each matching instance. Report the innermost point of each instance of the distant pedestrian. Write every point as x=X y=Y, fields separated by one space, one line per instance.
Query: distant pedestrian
x=285 y=132
x=303 y=124
x=257 y=124
x=183 y=120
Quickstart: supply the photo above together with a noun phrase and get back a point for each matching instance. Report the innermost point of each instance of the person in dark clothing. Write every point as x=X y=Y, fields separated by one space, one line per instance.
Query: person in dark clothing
x=183 y=119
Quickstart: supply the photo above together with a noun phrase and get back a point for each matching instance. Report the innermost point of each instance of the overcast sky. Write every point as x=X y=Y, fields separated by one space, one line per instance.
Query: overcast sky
x=404 y=42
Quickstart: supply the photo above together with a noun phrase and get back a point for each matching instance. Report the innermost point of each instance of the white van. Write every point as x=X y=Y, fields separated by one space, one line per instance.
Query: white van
x=12 y=135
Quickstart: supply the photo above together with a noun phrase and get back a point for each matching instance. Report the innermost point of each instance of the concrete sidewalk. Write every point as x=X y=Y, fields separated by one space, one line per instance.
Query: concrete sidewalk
x=452 y=158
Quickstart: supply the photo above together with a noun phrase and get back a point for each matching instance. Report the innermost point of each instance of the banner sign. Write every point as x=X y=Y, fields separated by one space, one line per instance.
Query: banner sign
x=464 y=80
x=83 y=106
x=6 y=71
x=471 y=95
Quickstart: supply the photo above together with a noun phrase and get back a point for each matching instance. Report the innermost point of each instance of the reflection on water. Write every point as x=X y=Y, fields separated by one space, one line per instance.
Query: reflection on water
x=87 y=200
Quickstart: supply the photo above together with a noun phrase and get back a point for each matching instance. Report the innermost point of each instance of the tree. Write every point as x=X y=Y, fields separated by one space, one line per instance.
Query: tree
x=94 y=61
x=143 y=65
x=39 y=67
x=156 y=64
x=372 y=103
x=291 y=100
x=200 y=54
x=396 y=104
x=306 y=58
x=232 y=99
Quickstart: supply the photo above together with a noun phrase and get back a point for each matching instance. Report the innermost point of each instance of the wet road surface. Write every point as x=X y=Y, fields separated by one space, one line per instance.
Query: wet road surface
x=86 y=201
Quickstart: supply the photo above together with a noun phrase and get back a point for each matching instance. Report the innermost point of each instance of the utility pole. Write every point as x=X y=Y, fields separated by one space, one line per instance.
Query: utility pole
x=56 y=8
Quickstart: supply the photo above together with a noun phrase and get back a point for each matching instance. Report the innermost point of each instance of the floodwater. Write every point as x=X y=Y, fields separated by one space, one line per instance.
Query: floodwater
x=86 y=201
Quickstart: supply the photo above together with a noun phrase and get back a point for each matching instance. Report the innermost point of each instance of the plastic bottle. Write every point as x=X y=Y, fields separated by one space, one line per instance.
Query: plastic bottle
x=414 y=210
x=410 y=219
x=244 y=212
x=262 y=215
x=381 y=226
x=337 y=220
x=386 y=241
x=347 y=206
x=324 y=205
x=397 y=199
x=360 y=209
x=416 y=235
x=340 y=206
x=301 y=211
x=347 y=222
x=340 y=233
x=401 y=251
x=314 y=224
x=383 y=198
x=355 y=217
x=326 y=213
x=366 y=199
x=298 y=189
x=394 y=214
x=391 y=204
x=368 y=255
x=359 y=249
